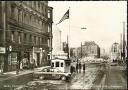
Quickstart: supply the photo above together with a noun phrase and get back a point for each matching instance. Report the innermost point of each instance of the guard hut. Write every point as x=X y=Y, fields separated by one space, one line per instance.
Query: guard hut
x=61 y=62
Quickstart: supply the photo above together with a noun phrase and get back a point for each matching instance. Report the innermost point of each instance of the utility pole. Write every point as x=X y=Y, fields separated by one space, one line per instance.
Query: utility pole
x=81 y=50
x=124 y=42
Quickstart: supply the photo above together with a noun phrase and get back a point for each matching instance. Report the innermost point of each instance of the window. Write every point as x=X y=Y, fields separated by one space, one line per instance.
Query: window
x=12 y=11
x=24 y=18
x=25 y=36
x=43 y=10
x=48 y=13
x=19 y=38
x=13 y=58
x=35 y=39
x=115 y=49
x=48 y=28
x=48 y=43
x=19 y=16
x=52 y=64
x=57 y=64
x=62 y=64
x=12 y=36
x=38 y=5
x=39 y=40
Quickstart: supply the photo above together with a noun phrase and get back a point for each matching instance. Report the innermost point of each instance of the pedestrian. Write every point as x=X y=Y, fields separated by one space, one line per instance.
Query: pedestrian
x=84 y=67
x=79 y=67
x=17 y=67
x=33 y=65
x=2 y=67
x=21 y=65
x=71 y=69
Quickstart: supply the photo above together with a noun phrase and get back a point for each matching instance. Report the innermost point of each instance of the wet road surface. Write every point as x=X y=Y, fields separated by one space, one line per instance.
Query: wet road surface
x=83 y=80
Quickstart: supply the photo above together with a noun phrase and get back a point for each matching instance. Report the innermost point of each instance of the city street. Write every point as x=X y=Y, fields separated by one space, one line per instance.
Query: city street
x=57 y=45
x=79 y=80
x=115 y=78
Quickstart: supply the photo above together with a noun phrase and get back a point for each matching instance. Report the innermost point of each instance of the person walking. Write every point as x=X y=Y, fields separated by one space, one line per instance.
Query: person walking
x=84 y=67
x=79 y=67
x=2 y=67
x=71 y=69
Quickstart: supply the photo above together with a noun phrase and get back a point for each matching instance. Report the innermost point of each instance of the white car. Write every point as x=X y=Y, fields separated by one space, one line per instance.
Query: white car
x=52 y=73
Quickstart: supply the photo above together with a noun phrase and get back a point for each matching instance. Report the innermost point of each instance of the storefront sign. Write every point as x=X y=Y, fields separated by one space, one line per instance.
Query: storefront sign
x=2 y=49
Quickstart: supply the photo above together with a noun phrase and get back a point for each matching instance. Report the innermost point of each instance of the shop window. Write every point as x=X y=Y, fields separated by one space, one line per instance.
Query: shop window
x=57 y=64
x=13 y=58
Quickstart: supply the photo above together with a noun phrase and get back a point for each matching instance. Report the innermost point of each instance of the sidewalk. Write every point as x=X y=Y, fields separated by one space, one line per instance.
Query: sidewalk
x=8 y=75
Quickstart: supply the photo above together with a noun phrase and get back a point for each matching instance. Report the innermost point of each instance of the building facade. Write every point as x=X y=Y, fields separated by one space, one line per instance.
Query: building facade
x=57 y=44
x=25 y=33
x=115 y=52
x=88 y=49
x=91 y=49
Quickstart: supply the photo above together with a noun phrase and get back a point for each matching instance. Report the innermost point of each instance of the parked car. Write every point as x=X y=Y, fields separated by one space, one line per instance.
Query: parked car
x=52 y=73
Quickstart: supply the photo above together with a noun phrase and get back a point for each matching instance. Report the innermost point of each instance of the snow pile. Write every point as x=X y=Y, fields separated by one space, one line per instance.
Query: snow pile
x=86 y=80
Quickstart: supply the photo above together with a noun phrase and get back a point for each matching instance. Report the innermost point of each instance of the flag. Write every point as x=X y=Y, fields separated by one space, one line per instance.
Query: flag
x=66 y=16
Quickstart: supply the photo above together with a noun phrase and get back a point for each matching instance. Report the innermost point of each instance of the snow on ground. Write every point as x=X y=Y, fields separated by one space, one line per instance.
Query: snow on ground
x=84 y=81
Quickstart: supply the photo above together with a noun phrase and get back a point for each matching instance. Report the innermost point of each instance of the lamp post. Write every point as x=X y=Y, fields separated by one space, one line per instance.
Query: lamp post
x=81 y=44
x=81 y=50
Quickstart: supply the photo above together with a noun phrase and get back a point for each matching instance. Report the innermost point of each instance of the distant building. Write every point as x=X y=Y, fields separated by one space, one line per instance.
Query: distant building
x=102 y=52
x=65 y=47
x=91 y=49
x=115 y=52
x=56 y=39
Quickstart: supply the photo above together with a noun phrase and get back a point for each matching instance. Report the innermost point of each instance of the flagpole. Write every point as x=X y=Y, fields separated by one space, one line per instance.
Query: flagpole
x=69 y=33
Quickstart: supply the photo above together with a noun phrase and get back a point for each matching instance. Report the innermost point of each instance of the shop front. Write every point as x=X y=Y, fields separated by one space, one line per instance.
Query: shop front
x=2 y=59
x=37 y=56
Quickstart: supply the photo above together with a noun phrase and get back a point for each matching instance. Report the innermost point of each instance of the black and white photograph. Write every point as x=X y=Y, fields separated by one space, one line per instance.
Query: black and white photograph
x=63 y=45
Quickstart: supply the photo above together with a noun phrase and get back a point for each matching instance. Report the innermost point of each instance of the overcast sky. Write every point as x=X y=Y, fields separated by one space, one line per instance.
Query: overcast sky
x=103 y=20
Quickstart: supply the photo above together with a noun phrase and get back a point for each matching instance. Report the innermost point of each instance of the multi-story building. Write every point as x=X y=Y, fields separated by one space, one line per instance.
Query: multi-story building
x=57 y=44
x=115 y=52
x=25 y=33
x=89 y=49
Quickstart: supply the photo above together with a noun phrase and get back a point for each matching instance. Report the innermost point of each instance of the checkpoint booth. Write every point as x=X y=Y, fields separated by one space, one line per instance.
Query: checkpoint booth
x=61 y=62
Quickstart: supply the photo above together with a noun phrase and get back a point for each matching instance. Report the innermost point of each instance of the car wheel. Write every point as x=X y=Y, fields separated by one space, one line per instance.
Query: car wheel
x=63 y=78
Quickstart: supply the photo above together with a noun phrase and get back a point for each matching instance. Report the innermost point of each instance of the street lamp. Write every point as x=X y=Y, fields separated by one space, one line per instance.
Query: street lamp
x=81 y=42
